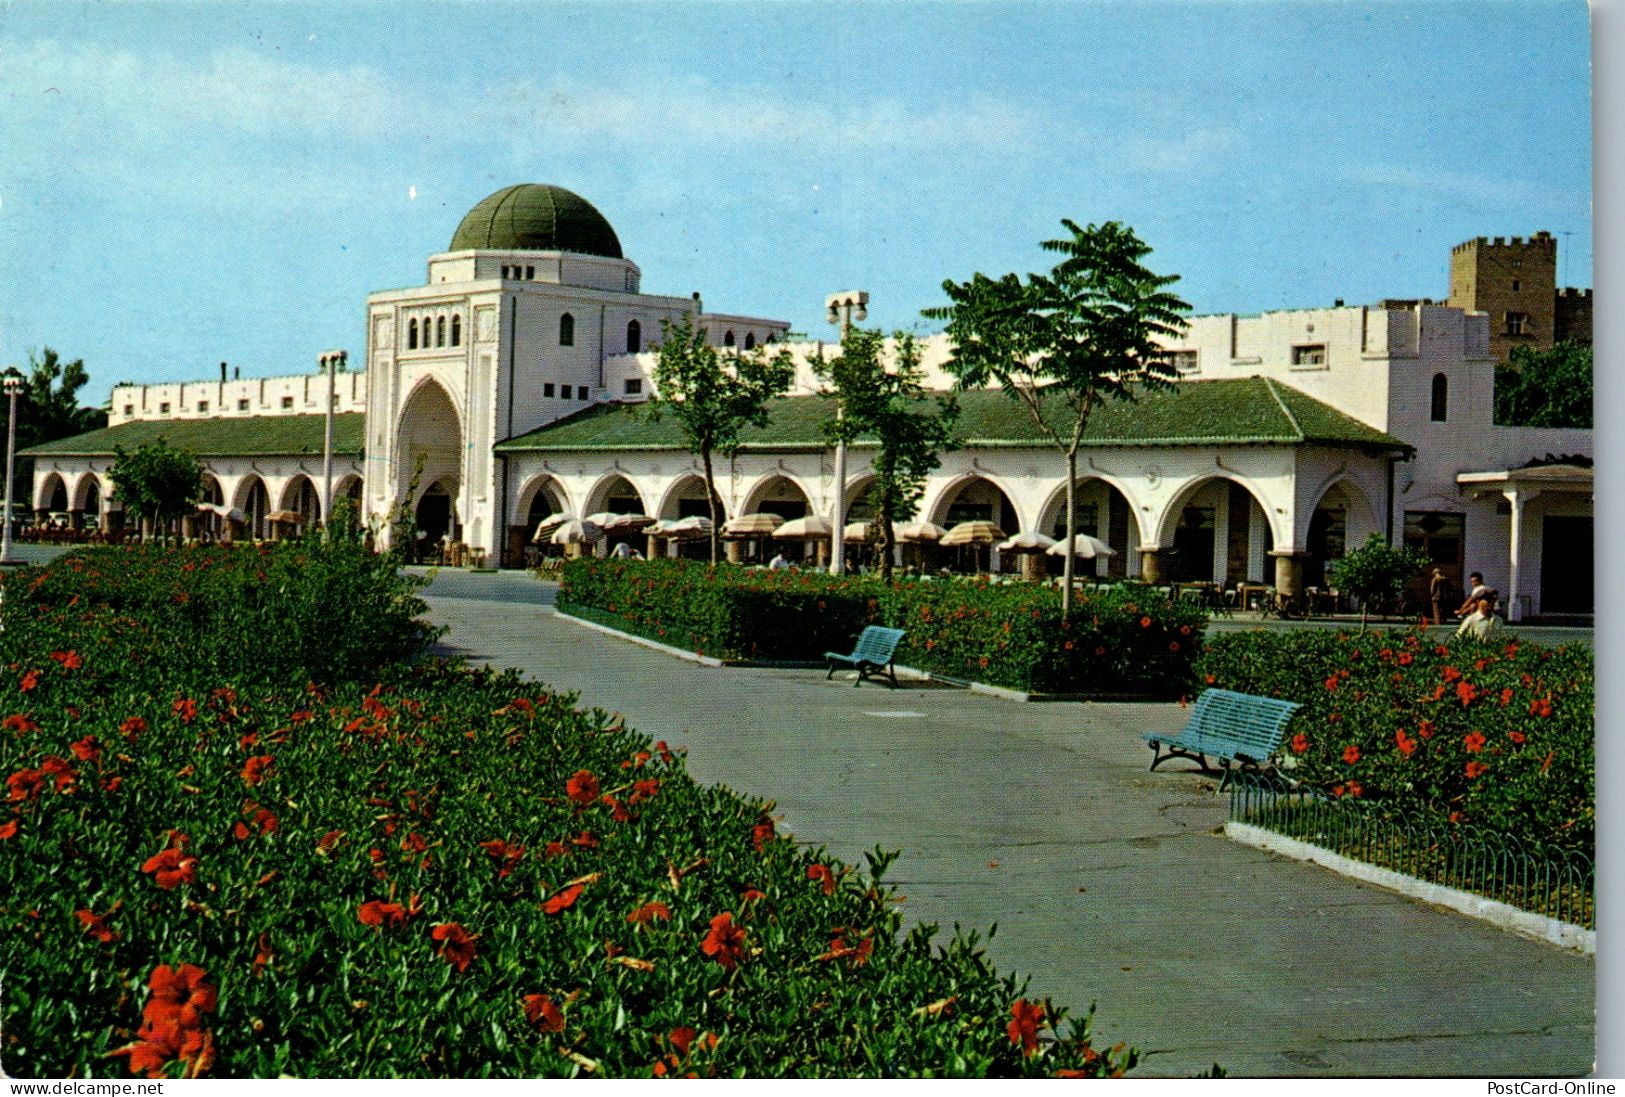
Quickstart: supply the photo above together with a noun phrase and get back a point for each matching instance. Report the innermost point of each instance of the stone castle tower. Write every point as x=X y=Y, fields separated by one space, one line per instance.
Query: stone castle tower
x=1515 y=281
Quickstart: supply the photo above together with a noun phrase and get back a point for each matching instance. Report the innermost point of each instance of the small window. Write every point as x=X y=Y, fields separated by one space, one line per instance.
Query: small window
x=581 y=392
x=634 y=337
x=634 y=386
x=203 y=407
x=567 y=330
x=242 y=405
x=412 y=334
x=530 y=274
x=1441 y=398
x=287 y=402
x=1516 y=285
x=163 y=408
x=1310 y=354
x=547 y=390
x=440 y=332
x=1183 y=361
x=728 y=339
x=750 y=340
x=129 y=409
x=456 y=331
x=1518 y=323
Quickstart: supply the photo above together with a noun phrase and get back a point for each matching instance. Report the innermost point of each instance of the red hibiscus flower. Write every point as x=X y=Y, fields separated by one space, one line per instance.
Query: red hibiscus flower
x=96 y=924
x=181 y=995
x=186 y=709
x=69 y=659
x=19 y=723
x=823 y=875
x=25 y=784
x=1425 y=729
x=1474 y=742
x=541 y=1012
x=1300 y=743
x=644 y=790
x=380 y=914
x=1450 y=673
x=1516 y=736
x=30 y=679
x=762 y=832
x=86 y=749
x=8 y=830
x=1351 y=754
x=582 y=788
x=456 y=944
x=1026 y=1017
x=255 y=768
x=726 y=942
x=1476 y=769
x=562 y=900
x=132 y=727
x=1541 y=706
x=171 y=868
x=650 y=912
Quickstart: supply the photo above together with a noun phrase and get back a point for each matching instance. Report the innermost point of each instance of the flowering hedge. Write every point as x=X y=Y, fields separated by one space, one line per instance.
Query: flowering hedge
x=427 y=871
x=1499 y=736
x=1009 y=635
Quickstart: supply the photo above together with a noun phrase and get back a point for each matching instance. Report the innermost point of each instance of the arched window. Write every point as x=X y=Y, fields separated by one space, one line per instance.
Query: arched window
x=456 y=331
x=567 y=330
x=728 y=339
x=440 y=332
x=1441 y=397
x=634 y=337
x=750 y=340
x=412 y=334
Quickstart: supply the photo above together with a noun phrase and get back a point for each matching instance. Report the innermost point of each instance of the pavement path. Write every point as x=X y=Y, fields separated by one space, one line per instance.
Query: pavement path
x=1107 y=883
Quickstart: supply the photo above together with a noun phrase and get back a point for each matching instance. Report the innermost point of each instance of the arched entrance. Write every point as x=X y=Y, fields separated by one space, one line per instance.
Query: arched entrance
x=255 y=503
x=686 y=499
x=434 y=516
x=429 y=448
x=300 y=498
x=617 y=495
x=1103 y=512
x=1216 y=531
x=974 y=499
x=86 y=505
x=52 y=500
x=782 y=496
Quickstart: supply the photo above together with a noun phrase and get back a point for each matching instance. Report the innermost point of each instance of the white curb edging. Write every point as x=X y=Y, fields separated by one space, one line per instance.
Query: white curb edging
x=1523 y=922
x=633 y=638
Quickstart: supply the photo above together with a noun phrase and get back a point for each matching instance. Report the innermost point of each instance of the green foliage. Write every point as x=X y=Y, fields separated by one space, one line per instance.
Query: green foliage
x=891 y=406
x=156 y=481
x=1012 y=635
x=1502 y=738
x=48 y=409
x=713 y=399
x=322 y=835
x=1085 y=333
x=1550 y=388
x=1377 y=572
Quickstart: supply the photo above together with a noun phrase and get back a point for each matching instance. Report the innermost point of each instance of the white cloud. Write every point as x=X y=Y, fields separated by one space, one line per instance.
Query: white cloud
x=1183 y=152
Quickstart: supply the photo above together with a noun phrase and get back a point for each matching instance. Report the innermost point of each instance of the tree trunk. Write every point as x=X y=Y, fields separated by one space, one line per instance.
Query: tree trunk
x=712 y=503
x=1069 y=561
x=888 y=537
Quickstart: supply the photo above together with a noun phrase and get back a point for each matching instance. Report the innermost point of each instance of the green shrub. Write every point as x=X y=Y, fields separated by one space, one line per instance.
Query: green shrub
x=1501 y=737
x=387 y=876
x=1007 y=634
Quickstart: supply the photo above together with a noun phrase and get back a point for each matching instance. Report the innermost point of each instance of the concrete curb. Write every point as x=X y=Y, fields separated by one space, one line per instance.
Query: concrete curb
x=1502 y=915
x=666 y=649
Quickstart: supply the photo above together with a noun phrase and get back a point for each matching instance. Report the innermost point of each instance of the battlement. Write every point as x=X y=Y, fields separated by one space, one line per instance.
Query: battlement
x=1570 y=293
x=1542 y=240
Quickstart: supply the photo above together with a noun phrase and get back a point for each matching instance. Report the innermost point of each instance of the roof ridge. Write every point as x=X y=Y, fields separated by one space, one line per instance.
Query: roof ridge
x=1269 y=383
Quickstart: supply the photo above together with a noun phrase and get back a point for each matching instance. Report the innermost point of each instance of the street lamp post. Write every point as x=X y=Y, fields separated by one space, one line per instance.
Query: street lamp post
x=330 y=361
x=843 y=309
x=14 y=388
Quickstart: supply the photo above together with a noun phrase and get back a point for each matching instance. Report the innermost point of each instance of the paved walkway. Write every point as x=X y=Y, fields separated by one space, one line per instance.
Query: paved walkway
x=1107 y=883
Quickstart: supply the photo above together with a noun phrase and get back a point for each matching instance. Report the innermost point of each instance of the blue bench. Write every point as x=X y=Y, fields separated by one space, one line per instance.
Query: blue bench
x=1234 y=728
x=872 y=656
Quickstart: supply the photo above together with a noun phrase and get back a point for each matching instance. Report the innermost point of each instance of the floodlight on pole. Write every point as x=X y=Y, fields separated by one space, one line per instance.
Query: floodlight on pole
x=842 y=308
x=14 y=389
x=330 y=361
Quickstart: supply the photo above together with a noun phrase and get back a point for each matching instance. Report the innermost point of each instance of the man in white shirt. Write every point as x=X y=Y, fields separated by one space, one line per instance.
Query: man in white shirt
x=1482 y=625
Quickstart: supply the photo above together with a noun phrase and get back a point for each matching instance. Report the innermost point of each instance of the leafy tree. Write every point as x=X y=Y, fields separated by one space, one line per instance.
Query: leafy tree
x=1545 y=388
x=1376 y=571
x=714 y=398
x=48 y=409
x=157 y=482
x=1063 y=343
x=892 y=407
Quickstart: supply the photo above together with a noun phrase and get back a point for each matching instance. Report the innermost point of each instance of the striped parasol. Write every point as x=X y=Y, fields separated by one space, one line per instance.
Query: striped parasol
x=973 y=533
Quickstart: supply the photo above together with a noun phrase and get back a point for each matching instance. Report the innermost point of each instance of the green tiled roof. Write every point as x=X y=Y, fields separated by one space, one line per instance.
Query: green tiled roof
x=1243 y=411
x=232 y=436
x=536 y=217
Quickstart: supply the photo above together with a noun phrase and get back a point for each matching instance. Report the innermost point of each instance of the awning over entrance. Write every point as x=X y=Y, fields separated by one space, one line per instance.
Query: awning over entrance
x=1518 y=486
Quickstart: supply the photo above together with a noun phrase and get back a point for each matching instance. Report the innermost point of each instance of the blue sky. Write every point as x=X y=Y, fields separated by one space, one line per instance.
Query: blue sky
x=186 y=184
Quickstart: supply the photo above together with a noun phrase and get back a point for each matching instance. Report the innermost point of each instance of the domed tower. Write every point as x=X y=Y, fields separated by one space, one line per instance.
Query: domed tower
x=532 y=314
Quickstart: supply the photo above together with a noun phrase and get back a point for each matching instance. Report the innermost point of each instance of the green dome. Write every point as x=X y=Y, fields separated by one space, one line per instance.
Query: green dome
x=536 y=217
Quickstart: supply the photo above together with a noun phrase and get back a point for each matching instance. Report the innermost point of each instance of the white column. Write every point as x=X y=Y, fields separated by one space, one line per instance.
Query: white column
x=1517 y=499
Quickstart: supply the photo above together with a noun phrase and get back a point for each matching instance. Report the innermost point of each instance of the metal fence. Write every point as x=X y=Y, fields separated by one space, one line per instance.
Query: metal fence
x=1557 y=883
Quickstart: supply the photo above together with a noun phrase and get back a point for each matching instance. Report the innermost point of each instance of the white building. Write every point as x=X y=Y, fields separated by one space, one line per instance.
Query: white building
x=501 y=391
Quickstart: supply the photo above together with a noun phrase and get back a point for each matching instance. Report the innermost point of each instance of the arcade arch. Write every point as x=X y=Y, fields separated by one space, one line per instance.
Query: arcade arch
x=429 y=444
x=778 y=494
x=255 y=502
x=1103 y=512
x=974 y=499
x=1216 y=530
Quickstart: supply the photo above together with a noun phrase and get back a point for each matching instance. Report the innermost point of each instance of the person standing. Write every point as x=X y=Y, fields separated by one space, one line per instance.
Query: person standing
x=1438 y=589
